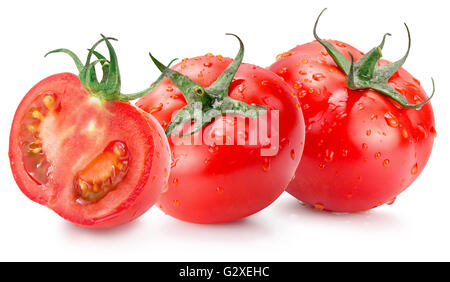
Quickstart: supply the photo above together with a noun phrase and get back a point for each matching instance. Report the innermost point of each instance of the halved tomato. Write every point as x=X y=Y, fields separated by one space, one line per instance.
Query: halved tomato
x=83 y=151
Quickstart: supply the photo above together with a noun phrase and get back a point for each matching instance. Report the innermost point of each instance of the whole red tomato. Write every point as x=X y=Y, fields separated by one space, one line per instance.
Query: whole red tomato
x=218 y=174
x=369 y=128
x=79 y=148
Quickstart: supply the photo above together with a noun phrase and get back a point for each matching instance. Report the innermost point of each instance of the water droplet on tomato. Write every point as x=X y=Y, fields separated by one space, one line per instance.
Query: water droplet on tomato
x=319 y=207
x=417 y=99
x=341 y=115
x=414 y=169
x=297 y=85
x=386 y=162
x=213 y=148
x=422 y=130
x=165 y=188
x=390 y=202
x=176 y=203
x=219 y=189
x=207 y=64
x=175 y=181
x=266 y=164
x=368 y=132
x=321 y=166
x=283 y=55
x=264 y=82
x=391 y=119
x=377 y=155
x=340 y=44
x=169 y=88
x=364 y=146
x=292 y=154
x=320 y=143
x=156 y=108
x=174 y=162
x=241 y=88
x=318 y=76
x=373 y=116
x=433 y=132
x=329 y=155
x=404 y=133
x=344 y=152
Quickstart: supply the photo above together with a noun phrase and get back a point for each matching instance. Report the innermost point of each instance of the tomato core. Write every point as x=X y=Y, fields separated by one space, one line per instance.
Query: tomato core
x=103 y=173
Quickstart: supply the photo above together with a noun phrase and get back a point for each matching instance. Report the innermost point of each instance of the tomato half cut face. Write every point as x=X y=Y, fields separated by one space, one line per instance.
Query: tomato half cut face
x=96 y=163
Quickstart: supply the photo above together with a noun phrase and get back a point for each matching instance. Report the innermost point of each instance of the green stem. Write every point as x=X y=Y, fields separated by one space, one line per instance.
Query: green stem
x=366 y=72
x=108 y=88
x=204 y=104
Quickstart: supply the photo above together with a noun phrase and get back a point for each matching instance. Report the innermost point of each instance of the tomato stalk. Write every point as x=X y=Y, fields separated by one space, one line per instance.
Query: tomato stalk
x=205 y=103
x=366 y=73
x=108 y=88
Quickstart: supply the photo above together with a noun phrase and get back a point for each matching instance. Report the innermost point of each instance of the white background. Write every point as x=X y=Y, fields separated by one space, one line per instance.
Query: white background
x=416 y=227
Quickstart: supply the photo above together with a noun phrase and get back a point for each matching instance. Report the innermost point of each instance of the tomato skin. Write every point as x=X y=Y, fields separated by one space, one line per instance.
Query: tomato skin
x=361 y=149
x=70 y=145
x=221 y=183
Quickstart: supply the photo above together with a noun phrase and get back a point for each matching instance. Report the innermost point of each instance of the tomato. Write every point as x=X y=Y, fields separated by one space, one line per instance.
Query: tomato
x=94 y=159
x=364 y=145
x=223 y=176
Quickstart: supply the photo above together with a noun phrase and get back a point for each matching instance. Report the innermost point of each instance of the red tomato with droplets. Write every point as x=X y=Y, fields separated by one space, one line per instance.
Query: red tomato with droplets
x=94 y=162
x=362 y=149
x=216 y=182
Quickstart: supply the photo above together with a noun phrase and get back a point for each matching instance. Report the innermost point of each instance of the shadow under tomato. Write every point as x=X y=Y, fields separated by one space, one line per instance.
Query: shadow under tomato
x=376 y=219
x=154 y=224
x=77 y=231
x=243 y=229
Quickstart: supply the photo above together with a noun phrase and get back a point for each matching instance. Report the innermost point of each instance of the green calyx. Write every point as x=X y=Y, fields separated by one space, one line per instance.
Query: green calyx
x=108 y=88
x=366 y=73
x=204 y=104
